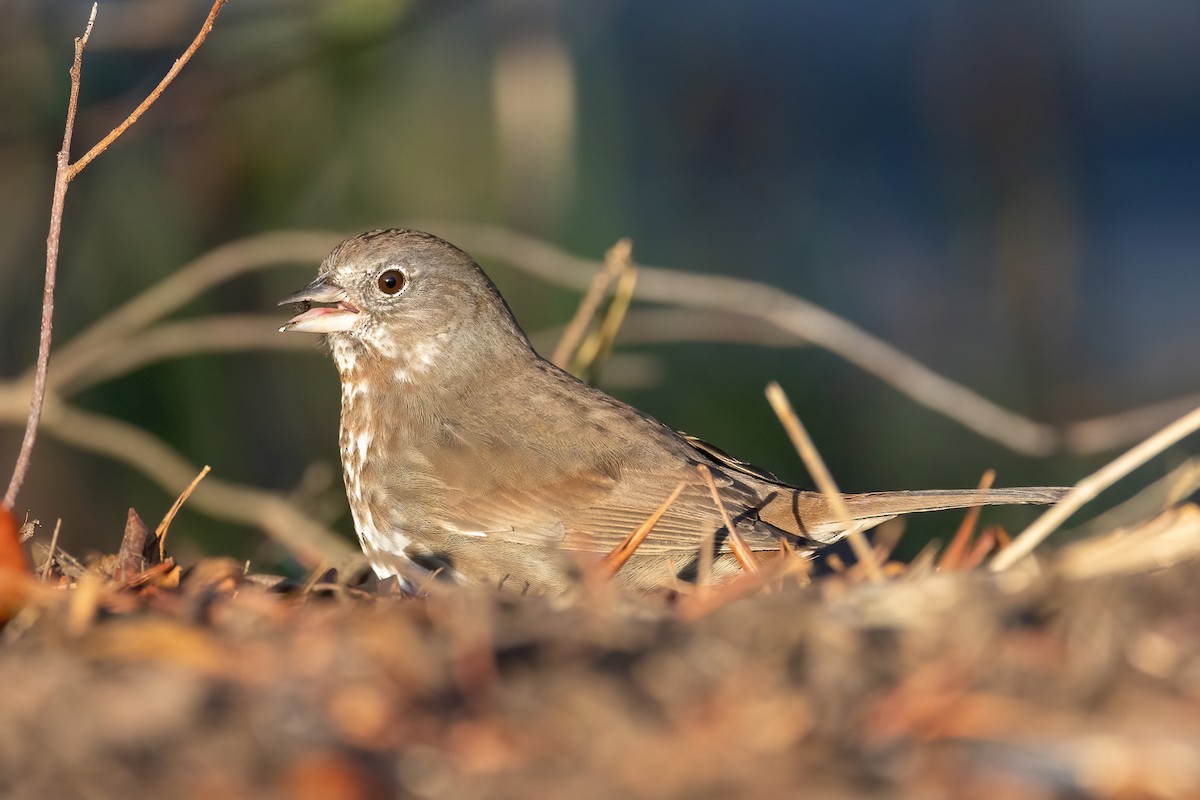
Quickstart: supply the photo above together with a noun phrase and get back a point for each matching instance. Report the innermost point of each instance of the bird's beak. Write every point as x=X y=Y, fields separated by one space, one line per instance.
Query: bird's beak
x=338 y=315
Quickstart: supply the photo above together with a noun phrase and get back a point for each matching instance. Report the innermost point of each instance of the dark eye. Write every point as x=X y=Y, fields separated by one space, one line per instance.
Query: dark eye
x=391 y=281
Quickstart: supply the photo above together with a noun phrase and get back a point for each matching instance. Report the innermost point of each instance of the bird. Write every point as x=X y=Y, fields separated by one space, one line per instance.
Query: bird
x=468 y=456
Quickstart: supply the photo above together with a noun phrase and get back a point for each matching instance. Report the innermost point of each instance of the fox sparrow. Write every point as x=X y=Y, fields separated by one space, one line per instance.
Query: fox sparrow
x=465 y=451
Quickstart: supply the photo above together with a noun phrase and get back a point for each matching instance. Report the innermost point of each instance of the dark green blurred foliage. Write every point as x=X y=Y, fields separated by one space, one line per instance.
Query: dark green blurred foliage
x=1008 y=191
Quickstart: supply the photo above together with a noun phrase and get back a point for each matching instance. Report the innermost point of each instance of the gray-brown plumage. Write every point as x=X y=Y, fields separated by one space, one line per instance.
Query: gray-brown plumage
x=462 y=449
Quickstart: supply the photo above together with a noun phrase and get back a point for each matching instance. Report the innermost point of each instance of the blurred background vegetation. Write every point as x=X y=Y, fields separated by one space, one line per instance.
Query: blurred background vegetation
x=1008 y=191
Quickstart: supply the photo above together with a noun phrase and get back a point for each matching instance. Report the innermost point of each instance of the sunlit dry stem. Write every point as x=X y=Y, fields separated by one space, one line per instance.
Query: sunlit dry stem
x=53 y=541
x=956 y=551
x=980 y=549
x=699 y=604
x=597 y=347
x=616 y=558
x=160 y=532
x=820 y=475
x=1091 y=486
x=743 y=553
x=614 y=262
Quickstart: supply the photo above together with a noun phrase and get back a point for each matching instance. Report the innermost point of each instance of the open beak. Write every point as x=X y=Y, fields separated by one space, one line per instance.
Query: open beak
x=336 y=315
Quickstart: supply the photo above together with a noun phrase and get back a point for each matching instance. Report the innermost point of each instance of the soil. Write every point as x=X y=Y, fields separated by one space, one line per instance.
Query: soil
x=136 y=678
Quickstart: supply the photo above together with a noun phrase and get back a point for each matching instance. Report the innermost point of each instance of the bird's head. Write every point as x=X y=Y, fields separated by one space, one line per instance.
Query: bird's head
x=402 y=295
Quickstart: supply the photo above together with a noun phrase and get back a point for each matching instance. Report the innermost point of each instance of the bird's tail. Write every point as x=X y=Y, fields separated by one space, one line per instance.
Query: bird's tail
x=806 y=514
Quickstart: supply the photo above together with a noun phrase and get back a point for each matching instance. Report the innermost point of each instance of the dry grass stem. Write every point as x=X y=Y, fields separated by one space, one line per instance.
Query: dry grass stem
x=53 y=547
x=1180 y=483
x=887 y=537
x=315 y=577
x=924 y=563
x=743 y=553
x=1170 y=537
x=981 y=548
x=613 y=561
x=1091 y=486
x=160 y=532
x=595 y=350
x=701 y=603
x=956 y=551
x=618 y=255
x=820 y=474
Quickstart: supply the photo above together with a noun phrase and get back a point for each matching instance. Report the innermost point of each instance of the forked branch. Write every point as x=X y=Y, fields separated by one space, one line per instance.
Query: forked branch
x=63 y=175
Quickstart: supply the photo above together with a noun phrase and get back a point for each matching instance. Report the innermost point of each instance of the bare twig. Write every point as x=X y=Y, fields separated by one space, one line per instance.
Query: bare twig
x=62 y=179
x=65 y=172
x=672 y=325
x=820 y=475
x=1114 y=430
x=136 y=114
x=815 y=325
x=214 y=267
x=1091 y=486
x=105 y=358
x=307 y=541
x=214 y=334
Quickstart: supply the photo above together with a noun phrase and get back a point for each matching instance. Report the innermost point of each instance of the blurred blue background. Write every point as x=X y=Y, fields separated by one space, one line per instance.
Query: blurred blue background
x=1008 y=191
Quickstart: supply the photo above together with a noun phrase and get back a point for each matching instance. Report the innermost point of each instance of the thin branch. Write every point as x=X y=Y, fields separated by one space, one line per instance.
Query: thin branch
x=136 y=114
x=65 y=172
x=306 y=540
x=820 y=475
x=252 y=254
x=673 y=325
x=787 y=312
x=1114 y=430
x=730 y=297
x=79 y=368
x=1091 y=486
x=62 y=179
x=213 y=334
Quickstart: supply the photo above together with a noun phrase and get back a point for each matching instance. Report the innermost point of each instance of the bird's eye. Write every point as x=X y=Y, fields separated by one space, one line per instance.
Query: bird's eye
x=391 y=281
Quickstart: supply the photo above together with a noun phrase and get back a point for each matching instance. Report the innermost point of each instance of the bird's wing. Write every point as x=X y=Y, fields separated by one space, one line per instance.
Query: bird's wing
x=594 y=509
